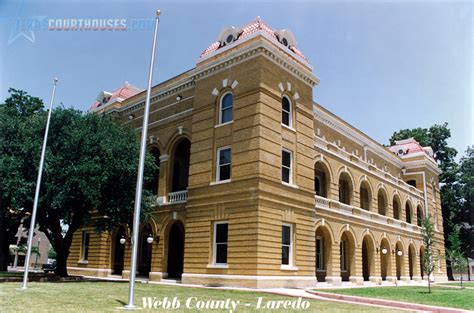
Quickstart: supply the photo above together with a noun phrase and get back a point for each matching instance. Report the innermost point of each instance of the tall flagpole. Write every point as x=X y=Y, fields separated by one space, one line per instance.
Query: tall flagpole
x=141 y=165
x=38 y=185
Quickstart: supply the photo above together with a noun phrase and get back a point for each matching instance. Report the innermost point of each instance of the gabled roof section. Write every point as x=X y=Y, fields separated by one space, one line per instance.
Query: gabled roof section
x=105 y=98
x=230 y=35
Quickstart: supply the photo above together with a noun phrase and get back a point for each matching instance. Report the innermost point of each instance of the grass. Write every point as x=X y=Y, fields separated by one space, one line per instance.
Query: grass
x=458 y=283
x=440 y=296
x=111 y=296
x=11 y=274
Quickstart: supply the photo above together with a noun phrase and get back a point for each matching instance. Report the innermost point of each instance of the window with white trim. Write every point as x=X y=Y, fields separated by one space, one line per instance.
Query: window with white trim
x=286 y=164
x=287 y=244
x=342 y=247
x=319 y=254
x=225 y=108
x=220 y=242
x=85 y=246
x=224 y=159
x=286 y=112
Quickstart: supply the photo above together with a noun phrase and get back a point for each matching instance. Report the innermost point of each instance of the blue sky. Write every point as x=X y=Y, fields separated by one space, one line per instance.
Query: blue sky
x=383 y=65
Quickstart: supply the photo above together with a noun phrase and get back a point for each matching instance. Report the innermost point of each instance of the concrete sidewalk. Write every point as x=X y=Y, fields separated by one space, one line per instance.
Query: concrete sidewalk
x=386 y=303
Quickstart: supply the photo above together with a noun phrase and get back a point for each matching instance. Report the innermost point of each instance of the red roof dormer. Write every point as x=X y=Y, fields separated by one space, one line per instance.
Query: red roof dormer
x=409 y=148
x=118 y=95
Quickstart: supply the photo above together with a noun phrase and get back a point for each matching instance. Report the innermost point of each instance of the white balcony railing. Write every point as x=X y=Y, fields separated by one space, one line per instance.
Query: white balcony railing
x=345 y=208
x=373 y=217
x=321 y=201
x=178 y=196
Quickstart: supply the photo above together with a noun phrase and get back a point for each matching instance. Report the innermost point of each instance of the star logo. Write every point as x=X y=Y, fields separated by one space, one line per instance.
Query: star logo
x=22 y=25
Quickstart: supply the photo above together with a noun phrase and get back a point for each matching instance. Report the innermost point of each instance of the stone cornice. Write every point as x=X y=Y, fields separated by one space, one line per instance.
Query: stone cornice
x=258 y=48
x=160 y=94
x=423 y=164
x=345 y=130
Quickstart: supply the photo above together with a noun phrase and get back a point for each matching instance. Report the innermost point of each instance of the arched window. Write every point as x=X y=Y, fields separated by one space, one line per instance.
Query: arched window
x=180 y=175
x=225 y=108
x=382 y=202
x=321 y=183
x=365 y=196
x=408 y=213
x=286 y=112
x=419 y=215
x=345 y=190
x=396 y=208
x=153 y=185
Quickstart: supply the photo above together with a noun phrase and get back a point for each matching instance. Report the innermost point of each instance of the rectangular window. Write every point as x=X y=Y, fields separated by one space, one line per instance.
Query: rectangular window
x=223 y=164
x=286 y=166
x=342 y=246
x=319 y=254
x=85 y=246
x=286 y=245
x=220 y=242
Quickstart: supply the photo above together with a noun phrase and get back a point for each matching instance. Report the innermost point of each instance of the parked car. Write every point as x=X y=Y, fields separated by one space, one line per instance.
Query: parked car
x=49 y=267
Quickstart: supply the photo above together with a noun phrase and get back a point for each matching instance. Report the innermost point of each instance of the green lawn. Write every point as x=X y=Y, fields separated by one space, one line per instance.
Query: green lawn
x=440 y=296
x=11 y=274
x=110 y=296
x=457 y=283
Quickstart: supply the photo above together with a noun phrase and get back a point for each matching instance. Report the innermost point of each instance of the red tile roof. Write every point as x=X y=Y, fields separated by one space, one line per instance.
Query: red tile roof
x=408 y=147
x=255 y=26
x=118 y=95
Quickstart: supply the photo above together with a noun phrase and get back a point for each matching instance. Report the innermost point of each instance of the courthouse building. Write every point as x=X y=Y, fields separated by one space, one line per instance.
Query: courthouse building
x=260 y=186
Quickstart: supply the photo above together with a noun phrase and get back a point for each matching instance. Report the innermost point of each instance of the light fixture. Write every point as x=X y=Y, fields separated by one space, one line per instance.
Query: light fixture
x=131 y=117
x=179 y=97
x=149 y=239
x=122 y=240
x=384 y=251
x=399 y=253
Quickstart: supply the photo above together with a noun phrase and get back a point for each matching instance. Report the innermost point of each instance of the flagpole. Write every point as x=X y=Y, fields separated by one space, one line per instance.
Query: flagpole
x=141 y=165
x=38 y=185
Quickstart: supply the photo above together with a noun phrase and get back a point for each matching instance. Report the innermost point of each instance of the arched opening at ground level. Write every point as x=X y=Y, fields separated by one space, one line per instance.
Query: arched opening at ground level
x=118 y=250
x=400 y=267
x=346 y=255
x=323 y=253
x=385 y=262
x=144 y=251
x=368 y=267
x=175 y=260
x=411 y=261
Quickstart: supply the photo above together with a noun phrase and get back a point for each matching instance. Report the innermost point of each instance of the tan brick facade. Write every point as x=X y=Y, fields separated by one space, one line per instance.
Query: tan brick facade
x=277 y=233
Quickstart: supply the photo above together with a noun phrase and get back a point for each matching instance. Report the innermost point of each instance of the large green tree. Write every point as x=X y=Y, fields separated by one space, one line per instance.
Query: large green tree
x=465 y=218
x=89 y=175
x=19 y=112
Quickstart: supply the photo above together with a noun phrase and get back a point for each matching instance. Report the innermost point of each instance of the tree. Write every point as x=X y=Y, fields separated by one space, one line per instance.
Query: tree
x=455 y=254
x=427 y=260
x=465 y=216
x=89 y=178
x=17 y=178
x=89 y=174
x=34 y=249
